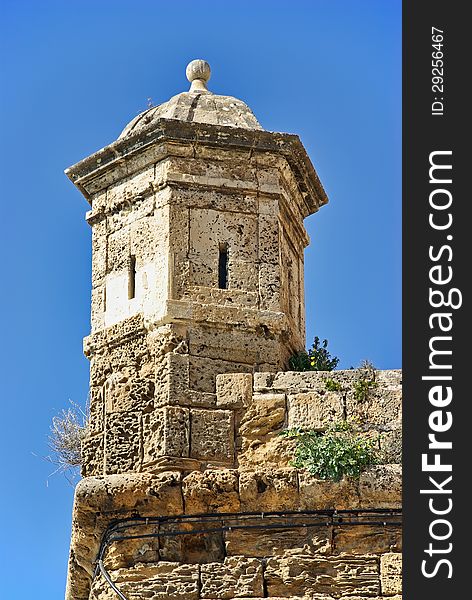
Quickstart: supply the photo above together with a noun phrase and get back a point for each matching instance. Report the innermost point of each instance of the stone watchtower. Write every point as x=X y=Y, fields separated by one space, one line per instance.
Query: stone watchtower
x=197 y=302
x=197 y=269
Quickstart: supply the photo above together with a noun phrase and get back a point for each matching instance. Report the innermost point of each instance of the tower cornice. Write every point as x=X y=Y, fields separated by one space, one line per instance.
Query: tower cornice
x=165 y=137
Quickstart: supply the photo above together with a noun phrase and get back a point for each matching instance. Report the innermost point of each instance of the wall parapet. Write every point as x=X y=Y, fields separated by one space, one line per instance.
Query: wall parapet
x=265 y=404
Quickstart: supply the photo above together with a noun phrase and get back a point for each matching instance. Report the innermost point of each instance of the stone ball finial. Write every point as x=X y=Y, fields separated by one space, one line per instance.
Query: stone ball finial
x=198 y=72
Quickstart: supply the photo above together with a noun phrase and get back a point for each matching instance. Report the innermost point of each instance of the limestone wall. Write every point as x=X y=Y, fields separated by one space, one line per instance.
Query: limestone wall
x=307 y=401
x=156 y=408
x=325 y=556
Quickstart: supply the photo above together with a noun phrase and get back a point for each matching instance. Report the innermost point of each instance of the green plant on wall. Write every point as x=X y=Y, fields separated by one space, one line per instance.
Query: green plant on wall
x=333 y=386
x=318 y=358
x=362 y=388
x=366 y=382
x=334 y=453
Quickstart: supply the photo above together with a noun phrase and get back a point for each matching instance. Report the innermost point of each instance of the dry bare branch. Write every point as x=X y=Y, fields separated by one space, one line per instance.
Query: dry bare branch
x=66 y=433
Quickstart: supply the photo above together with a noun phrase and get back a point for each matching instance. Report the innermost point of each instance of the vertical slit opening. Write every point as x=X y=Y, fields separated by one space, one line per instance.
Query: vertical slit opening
x=223 y=267
x=132 y=277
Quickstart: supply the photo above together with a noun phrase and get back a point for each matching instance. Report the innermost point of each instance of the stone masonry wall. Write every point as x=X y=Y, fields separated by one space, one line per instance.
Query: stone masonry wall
x=321 y=560
x=307 y=401
x=148 y=411
x=360 y=562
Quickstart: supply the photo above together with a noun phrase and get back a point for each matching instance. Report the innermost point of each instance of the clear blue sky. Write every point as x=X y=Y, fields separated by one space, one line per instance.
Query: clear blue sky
x=72 y=75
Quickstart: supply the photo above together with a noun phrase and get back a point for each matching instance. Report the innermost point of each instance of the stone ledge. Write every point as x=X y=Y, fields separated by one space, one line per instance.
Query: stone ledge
x=165 y=138
x=296 y=382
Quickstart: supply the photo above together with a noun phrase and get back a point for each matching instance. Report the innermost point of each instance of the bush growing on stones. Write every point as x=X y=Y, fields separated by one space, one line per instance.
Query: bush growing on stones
x=333 y=386
x=366 y=382
x=337 y=452
x=362 y=388
x=65 y=438
x=318 y=358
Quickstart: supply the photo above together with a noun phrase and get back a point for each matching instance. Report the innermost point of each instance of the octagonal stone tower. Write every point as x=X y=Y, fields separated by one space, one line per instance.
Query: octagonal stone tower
x=197 y=270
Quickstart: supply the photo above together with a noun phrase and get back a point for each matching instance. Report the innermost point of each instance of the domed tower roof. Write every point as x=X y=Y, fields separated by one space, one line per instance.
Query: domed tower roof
x=198 y=105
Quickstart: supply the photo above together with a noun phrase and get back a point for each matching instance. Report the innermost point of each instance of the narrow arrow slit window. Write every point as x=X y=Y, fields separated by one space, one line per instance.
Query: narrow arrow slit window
x=132 y=277
x=223 y=267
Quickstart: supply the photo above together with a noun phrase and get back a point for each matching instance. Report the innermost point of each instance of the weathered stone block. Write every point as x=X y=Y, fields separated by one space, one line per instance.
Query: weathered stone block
x=97 y=411
x=272 y=452
x=211 y=491
x=98 y=306
x=319 y=494
x=314 y=410
x=92 y=455
x=294 y=382
x=208 y=228
x=236 y=577
x=389 y=378
x=148 y=494
x=303 y=574
x=263 y=381
x=391 y=573
x=265 y=542
x=233 y=390
x=265 y=415
x=239 y=346
x=165 y=433
x=172 y=379
x=127 y=553
x=269 y=286
x=367 y=539
x=129 y=187
x=203 y=372
x=381 y=487
x=391 y=446
x=269 y=237
x=192 y=547
x=380 y=407
x=212 y=435
x=157 y=581
x=99 y=251
x=200 y=399
x=123 y=442
x=125 y=390
x=271 y=489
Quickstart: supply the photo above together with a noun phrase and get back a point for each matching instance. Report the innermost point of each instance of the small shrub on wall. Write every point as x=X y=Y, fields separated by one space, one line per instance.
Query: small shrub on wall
x=318 y=358
x=334 y=453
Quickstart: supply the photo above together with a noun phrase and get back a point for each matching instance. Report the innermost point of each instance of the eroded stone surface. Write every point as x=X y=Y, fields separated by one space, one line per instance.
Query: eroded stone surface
x=212 y=435
x=162 y=580
x=314 y=410
x=391 y=573
x=268 y=489
x=347 y=576
x=166 y=433
x=211 y=491
x=237 y=576
x=367 y=539
x=233 y=390
x=381 y=487
x=262 y=542
x=265 y=414
x=319 y=494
